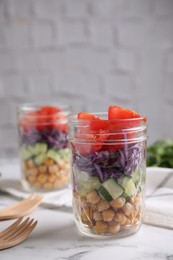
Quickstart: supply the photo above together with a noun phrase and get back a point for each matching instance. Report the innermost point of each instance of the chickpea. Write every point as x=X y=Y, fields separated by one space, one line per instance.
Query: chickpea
x=84 y=203
x=42 y=178
x=108 y=214
x=136 y=221
x=100 y=227
x=132 y=199
x=94 y=207
x=118 y=203
x=86 y=214
x=42 y=169
x=37 y=184
x=57 y=183
x=47 y=185
x=29 y=164
x=64 y=179
x=103 y=205
x=127 y=209
x=93 y=197
x=32 y=172
x=113 y=227
x=120 y=218
x=51 y=178
x=127 y=223
x=97 y=216
x=61 y=164
x=53 y=169
x=49 y=162
x=31 y=179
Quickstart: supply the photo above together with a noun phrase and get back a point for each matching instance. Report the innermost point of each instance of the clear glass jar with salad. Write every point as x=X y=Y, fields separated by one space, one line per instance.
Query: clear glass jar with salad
x=108 y=157
x=44 y=152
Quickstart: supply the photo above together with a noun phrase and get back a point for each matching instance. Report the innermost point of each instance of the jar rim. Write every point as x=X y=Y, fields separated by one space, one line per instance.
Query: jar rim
x=82 y=130
x=103 y=116
x=36 y=105
x=24 y=108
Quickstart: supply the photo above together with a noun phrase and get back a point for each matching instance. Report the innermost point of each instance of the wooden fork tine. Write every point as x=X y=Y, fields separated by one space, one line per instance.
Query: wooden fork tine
x=30 y=205
x=12 y=233
x=20 y=230
x=23 y=204
x=25 y=232
x=18 y=203
x=15 y=224
x=21 y=237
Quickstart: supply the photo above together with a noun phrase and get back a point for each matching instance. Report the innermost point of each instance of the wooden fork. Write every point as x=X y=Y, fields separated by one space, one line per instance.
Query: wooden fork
x=21 y=208
x=16 y=233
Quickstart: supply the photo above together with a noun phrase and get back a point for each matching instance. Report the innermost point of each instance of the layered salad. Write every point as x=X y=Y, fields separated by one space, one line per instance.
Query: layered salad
x=108 y=170
x=44 y=149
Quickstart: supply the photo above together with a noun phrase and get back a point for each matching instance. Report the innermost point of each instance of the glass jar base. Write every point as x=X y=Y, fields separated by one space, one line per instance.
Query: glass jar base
x=29 y=188
x=85 y=230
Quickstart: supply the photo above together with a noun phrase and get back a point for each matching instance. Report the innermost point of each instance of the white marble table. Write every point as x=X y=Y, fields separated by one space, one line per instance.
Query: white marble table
x=56 y=237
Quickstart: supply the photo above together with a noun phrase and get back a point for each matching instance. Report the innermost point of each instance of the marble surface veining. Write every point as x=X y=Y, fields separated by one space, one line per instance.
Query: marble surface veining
x=56 y=237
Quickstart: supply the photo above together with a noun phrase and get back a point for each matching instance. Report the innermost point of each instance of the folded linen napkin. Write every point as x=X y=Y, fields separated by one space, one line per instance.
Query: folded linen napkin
x=10 y=183
x=159 y=193
x=159 y=197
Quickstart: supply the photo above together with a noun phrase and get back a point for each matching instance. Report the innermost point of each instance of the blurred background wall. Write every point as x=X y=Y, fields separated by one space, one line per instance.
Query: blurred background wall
x=90 y=54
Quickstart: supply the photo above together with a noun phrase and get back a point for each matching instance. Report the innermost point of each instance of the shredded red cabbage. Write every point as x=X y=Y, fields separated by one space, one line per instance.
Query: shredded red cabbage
x=105 y=164
x=52 y=137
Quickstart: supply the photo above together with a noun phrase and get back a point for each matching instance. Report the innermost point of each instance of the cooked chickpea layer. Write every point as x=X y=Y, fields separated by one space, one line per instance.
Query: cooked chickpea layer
x=108 y=217
x=47 y=176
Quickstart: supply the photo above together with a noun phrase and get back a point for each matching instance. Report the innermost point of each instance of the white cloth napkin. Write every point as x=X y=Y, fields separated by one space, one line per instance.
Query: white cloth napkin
x=10 y=183
x=159 y=193
x=159 y=197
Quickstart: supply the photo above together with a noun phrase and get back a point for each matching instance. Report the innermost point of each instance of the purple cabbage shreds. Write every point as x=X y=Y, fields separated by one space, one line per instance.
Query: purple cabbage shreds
x=54 y=138
x=31 y=137
x=58 y=140
x=105 y=164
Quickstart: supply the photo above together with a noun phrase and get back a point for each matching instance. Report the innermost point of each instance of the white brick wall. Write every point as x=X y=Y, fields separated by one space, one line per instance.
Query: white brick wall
x=90 y=54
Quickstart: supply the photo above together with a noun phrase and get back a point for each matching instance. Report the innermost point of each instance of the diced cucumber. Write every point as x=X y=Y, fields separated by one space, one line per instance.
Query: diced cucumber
x=25 y=153
x=31 y=148
x=39 y=159
x=64 y=152
x=136 y=176
x=40 y=148
x=113 y=188
x=54 y=155
x=104 y=194
x=86 y=183
x=128 y=185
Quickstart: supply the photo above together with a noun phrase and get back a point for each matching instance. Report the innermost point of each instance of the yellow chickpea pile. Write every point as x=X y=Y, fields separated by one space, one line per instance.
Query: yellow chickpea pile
x=108 y=217
x=47 y=176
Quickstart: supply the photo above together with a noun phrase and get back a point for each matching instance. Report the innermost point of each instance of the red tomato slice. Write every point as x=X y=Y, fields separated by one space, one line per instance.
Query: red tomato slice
x=96 y=123
x=116 y=112
x=31 y=121
x=45 y=117
x=49 y=110
x=120 y=113
x=87 y=146
x=94 y=131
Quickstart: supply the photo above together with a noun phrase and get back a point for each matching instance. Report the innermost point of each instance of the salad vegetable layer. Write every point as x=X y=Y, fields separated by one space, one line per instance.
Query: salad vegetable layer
x=44 y=149
x=108 y=167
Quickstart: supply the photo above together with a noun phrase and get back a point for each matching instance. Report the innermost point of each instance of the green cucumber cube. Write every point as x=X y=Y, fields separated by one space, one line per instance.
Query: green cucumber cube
x=31 y=148
x=113 y=188
x=25 y=154
x=40 y=148
x=54 y=155
x=39 y=159
x=128 y=185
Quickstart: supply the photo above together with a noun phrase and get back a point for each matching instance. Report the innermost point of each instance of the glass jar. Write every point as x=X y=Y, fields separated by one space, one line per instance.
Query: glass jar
x=108 y=161
x=44 y=152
